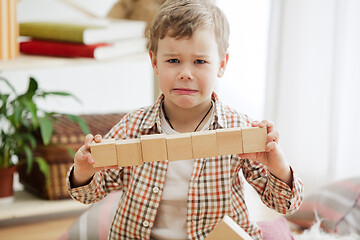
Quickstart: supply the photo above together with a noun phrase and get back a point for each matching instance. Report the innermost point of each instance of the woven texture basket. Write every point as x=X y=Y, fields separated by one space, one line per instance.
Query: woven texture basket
x=67 y=135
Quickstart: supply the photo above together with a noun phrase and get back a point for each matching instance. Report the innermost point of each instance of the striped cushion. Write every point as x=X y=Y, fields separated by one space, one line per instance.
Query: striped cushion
x=96 y=221
x=337 y=205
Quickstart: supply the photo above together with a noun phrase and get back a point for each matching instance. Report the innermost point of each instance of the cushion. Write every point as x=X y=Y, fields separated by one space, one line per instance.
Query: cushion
x=275 y=230
x=337 y=206
x=95 y=222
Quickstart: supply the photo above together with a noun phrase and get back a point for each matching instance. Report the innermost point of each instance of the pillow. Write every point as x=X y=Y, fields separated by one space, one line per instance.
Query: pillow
x=275 y=230
x=95 y=222
x=337 y=206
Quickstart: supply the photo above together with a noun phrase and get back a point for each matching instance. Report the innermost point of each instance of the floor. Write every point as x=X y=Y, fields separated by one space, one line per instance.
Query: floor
x=44 y=230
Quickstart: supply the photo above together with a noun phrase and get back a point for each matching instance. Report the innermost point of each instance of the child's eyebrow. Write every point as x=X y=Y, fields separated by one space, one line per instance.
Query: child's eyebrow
x=171 y=54
x=193 y=55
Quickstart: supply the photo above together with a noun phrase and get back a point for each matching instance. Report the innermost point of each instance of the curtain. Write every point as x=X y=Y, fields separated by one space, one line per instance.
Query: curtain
x=313 y=86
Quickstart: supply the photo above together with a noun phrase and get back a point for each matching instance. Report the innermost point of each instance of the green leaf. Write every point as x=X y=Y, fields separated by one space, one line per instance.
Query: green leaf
x=32 y=108
x=30 y=139
x=44 y=168
x=59 y=93
x=33 y=86
x=17 y=115
x=29 y=158
x=46 y=129
x=9 y=85
x=83 y=125
x=4 y=99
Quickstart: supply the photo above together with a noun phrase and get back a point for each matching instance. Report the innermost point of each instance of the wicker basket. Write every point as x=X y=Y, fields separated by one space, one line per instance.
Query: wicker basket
x=67 y=136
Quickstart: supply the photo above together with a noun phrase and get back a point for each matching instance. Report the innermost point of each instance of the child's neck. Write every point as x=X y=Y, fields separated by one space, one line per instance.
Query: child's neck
x=187 y=120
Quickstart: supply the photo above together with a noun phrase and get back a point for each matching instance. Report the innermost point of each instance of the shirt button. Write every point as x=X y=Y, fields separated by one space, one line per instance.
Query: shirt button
x=156 y=189
x=145 y=223
x=283 y=192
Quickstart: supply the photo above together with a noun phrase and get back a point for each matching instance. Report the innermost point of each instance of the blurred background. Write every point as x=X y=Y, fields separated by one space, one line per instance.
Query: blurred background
x=296 y=63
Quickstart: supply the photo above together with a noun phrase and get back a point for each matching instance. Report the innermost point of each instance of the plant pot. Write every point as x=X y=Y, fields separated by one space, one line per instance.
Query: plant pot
x=6 y=183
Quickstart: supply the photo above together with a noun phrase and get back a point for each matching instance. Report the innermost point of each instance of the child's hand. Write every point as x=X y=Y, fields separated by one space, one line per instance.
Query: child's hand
x=83 y=168
x=273 y=158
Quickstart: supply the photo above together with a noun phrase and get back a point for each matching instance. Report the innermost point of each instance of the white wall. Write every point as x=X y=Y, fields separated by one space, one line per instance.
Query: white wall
x=243 y=86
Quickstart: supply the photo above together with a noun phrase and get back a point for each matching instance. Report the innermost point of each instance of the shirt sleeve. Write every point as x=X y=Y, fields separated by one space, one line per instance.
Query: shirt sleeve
x=273 y=192
x=101 y=184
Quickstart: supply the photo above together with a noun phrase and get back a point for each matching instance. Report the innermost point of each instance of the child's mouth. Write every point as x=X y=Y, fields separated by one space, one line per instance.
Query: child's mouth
x=184 y=91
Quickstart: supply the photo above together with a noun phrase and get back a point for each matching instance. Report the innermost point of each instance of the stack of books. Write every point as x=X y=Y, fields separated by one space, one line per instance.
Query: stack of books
x=9 y=46
x=99 y=39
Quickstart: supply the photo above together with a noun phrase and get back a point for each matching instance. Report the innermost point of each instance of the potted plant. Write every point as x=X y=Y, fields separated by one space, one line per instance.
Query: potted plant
x=22 y=125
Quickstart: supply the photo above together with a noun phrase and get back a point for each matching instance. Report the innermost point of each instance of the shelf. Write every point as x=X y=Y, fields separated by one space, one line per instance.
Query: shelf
x=32 y=61
x=28 y=207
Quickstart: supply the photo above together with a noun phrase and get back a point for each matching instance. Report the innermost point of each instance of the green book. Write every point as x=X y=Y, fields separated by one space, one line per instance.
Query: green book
x=108 y=31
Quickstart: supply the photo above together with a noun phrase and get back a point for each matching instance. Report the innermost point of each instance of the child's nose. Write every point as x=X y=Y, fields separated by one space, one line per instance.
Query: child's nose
x=185 y=74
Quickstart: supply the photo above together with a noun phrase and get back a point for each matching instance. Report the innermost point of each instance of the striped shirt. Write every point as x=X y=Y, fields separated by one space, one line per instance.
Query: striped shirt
x=215 y=187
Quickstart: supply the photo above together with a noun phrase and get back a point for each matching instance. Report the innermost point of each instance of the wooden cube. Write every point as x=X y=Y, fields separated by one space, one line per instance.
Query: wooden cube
x=204 y=144
x=179 y=146
x=229 y=141
x=254 y=139
x=227 y=228
x=153 y=147
x=129 y=152
x=104 y=153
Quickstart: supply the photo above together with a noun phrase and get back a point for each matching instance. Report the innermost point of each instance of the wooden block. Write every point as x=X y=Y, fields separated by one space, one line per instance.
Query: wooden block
x=128 y=152
x=179 y=147
x=154 y=147
x=229 y=141
x=104 y=153
x=227 y=228
x=254 y=139
x=204 y=144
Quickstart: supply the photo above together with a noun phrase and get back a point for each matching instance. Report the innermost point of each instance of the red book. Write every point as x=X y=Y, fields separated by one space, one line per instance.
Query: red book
x=97 y=51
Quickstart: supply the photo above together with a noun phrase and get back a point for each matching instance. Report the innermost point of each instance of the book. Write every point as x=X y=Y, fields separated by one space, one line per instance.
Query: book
x=4 y=40
x=86 y=32
x=98 y=51
x=9 y=47
x=227 y=228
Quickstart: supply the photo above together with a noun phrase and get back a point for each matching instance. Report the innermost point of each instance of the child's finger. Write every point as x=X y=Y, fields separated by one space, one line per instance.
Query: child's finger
x=98 y=138
x=271 y=146
x=81 y=154
x=255 y=123
x=88 y=139
x=273 y=137
x=268 y=124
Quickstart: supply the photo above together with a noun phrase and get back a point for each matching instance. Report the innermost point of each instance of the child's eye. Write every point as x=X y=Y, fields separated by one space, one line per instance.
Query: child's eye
x=173 y=61
x=200 y=61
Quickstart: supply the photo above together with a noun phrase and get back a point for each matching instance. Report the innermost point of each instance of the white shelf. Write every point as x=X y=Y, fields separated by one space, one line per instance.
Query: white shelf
x=28 y=206
x=23 y=62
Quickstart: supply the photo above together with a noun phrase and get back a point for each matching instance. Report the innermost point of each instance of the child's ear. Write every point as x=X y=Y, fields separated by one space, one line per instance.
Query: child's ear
x=223 y=64
x=153 y=62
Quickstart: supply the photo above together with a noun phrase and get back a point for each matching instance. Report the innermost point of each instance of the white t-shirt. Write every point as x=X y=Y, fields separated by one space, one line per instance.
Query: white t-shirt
x=170 y=221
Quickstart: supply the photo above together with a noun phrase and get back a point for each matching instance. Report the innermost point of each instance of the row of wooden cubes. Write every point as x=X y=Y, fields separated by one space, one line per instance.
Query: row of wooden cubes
x=159 y=147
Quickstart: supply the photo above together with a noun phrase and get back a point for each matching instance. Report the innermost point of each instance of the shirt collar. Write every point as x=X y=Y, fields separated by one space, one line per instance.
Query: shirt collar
x=153 y=114
x=219 y=113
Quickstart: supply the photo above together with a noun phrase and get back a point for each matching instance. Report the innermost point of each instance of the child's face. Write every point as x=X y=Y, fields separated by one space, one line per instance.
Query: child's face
x=187 y=68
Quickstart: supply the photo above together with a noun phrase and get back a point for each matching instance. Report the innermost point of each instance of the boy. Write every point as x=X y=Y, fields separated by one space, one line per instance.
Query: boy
x=188 y=51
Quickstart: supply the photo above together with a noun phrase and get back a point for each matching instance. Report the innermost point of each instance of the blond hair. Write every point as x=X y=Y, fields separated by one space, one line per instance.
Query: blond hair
x=180 y=18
